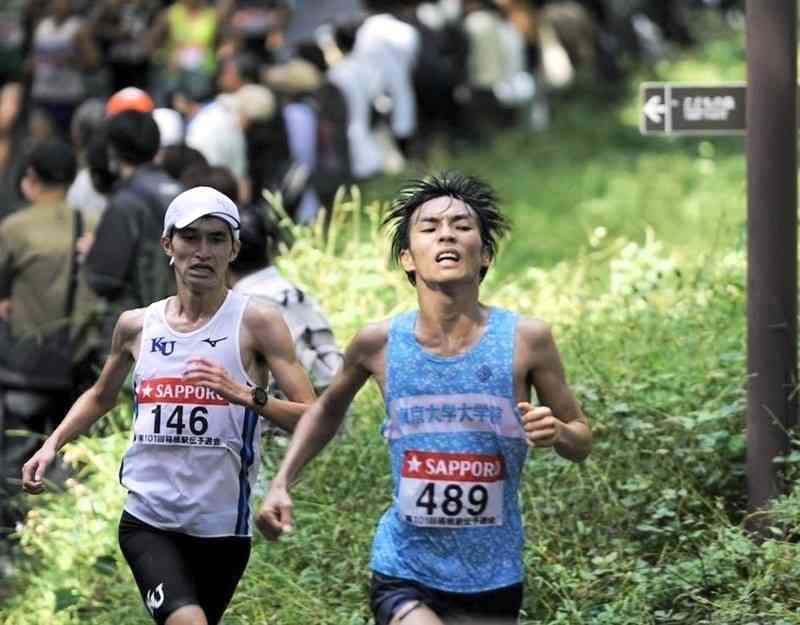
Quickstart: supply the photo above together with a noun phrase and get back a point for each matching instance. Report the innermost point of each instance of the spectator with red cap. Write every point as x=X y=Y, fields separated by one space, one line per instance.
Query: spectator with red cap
x=130 y=99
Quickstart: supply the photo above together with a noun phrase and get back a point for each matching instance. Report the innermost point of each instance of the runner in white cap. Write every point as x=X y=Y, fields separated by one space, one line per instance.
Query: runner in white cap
x=202 y=360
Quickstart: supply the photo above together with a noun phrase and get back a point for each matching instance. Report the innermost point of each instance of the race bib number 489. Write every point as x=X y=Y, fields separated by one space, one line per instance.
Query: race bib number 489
x=451 y=490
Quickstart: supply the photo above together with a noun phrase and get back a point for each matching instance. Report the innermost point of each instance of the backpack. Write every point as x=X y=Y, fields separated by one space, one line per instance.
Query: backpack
x=156 y=277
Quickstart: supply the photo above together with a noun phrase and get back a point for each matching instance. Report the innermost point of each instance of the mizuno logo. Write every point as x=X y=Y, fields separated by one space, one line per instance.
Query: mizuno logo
x=155 y=598
x=213 y=342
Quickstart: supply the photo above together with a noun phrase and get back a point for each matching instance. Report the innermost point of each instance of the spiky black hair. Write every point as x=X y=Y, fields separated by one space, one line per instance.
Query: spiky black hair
x=474 y=192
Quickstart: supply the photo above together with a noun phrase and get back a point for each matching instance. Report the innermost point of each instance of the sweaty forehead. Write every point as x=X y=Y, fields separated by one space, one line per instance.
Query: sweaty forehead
x=443 y=207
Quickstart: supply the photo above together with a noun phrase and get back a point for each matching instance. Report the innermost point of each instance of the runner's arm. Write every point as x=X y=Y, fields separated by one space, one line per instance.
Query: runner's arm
x=92 y=404
x=318 y=425
x=266 y=331
x=275 y=342
x=321 y=421
x=559 y=420
x=324 y=418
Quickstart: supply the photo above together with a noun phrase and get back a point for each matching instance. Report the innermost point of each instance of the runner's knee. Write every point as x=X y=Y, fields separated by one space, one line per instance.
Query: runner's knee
x=187 y=615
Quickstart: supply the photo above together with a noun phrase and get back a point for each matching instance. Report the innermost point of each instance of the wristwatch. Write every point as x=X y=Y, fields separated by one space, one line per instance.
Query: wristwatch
x=259 y=396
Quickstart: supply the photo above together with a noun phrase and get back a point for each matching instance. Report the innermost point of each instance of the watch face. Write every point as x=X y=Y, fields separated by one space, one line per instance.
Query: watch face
x=259 y=396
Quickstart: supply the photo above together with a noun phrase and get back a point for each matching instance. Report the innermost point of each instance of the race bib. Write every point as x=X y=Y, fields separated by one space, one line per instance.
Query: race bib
x=452 y=490
x=171 y=411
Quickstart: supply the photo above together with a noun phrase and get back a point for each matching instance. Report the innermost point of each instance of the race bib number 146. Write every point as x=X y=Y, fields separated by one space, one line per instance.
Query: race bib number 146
x=171 y=412
x=451 y=490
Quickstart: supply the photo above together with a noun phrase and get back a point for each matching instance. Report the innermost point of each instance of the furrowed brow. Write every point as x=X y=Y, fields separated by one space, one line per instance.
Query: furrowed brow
x=429 y=219
x=461 y=217
x=451 y=218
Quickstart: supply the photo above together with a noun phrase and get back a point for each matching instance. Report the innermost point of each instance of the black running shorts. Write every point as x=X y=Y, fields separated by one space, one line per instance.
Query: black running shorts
x=388 y=595
x=173 y=569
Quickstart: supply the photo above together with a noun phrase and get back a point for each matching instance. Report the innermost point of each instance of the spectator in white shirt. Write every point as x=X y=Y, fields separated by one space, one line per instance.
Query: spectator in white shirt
x=217 y=130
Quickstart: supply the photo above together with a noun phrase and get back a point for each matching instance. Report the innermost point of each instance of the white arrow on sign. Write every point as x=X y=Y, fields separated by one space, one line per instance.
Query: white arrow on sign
x=654 y=109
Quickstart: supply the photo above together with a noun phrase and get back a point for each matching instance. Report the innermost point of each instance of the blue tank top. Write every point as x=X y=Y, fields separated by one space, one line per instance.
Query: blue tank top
x=457 y=451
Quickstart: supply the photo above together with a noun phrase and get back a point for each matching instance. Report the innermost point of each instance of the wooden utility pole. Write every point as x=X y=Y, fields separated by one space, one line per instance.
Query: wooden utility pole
x=771 y=242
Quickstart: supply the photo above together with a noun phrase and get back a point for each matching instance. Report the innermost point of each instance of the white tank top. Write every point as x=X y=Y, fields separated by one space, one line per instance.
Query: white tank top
x=194 y=457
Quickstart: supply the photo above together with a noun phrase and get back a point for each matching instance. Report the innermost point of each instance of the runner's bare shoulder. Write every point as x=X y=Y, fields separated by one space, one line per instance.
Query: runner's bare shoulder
x=536 y=349
x=260 y=309
x=261 y=315
x=369 y=344
x=128 y=330
x=534 y=333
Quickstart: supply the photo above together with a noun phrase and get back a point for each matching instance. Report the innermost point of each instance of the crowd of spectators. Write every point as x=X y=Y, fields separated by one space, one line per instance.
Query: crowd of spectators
x=300 y=96
x=110 y=108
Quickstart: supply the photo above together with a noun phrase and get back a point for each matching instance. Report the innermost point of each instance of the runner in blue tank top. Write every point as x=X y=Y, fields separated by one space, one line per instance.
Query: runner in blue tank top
x=456 y=378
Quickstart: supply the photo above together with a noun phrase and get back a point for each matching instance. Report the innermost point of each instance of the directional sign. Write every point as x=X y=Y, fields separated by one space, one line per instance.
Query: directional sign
x=678 y=109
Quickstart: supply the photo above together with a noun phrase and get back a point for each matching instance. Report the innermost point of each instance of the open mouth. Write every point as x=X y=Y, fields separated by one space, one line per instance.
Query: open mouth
x=448 y=256
x=201 y=269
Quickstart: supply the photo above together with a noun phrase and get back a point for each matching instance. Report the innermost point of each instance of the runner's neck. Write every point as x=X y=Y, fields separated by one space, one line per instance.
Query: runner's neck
x=188 y=309
x=448 y=329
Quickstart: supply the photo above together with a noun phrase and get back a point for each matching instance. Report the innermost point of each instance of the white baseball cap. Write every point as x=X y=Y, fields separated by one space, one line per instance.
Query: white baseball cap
x=199 y=202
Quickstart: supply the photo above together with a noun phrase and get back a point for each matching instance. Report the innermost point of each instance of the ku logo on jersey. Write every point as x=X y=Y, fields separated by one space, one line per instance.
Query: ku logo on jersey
x=161 y=344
